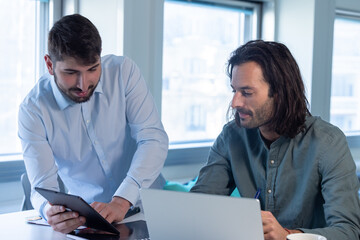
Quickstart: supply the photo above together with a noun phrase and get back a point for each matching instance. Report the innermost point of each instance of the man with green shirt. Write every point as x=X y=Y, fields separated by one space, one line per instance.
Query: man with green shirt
x=301 y=164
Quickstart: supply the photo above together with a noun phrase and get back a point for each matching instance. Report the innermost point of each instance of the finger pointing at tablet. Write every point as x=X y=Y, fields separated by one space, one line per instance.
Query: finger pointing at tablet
x=113 y=211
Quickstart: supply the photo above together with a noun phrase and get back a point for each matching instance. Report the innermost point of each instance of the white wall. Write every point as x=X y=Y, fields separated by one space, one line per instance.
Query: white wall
x=132 y=28
x=294 y=26
x=108 y=18
x=143 y=41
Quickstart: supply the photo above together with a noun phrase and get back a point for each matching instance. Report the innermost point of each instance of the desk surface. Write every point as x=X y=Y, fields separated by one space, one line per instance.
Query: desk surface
x=14 y=226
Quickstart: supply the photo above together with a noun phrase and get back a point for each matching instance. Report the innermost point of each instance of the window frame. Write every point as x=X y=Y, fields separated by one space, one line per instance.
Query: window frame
x=12 y=164
x=353 y=140
x=257 y=7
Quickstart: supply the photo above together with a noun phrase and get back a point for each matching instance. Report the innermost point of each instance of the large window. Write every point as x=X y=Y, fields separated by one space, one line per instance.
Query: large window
x=19 y=21
x=198 y=40
x=345 y=90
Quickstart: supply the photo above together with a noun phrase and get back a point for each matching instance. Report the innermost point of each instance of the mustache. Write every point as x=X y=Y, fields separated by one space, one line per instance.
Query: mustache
x=75 y=89
x=243 y=111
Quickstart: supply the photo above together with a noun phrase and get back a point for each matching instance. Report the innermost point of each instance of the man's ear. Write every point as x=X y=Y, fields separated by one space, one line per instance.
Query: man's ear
x=49 y=64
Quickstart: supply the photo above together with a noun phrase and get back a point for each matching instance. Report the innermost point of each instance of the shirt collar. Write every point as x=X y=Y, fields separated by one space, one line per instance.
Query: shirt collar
x=63 y=101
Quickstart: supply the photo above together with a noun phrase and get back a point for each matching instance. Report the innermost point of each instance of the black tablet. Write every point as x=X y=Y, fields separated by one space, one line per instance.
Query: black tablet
x=77 y=204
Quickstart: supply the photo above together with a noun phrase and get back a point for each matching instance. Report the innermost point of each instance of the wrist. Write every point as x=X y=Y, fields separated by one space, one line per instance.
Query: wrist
x=292 y=231
x=122 y=202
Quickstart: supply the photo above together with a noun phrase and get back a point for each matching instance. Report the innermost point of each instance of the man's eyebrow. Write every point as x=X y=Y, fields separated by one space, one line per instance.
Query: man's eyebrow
x=96 y=65
x=74 y=70
x=70 y=70
x=242 y=88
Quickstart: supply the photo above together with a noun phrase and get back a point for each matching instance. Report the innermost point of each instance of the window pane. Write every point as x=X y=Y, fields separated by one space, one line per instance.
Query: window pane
x=196 y=94
x=345 y=89
x=17 y=72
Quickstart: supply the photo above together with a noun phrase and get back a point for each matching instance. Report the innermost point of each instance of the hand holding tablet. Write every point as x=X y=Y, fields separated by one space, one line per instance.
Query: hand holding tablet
x=77 y=204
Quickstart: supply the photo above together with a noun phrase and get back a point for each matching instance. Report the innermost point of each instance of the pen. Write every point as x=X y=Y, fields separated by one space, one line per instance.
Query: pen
x=257 y=194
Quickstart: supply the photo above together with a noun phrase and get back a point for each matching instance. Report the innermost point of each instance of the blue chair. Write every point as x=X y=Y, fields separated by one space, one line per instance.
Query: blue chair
x=26 y=203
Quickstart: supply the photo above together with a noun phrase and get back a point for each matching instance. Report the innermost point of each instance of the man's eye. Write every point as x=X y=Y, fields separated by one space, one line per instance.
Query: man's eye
x=234 y=91
x=247 y=94
x=70 y=73
x=92 y=69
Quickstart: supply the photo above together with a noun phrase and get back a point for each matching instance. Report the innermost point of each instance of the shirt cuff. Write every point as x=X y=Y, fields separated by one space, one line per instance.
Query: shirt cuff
x=129 y=190
x=43 y=208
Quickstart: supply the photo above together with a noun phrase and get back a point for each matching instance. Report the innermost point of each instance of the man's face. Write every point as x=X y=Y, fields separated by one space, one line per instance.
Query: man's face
x=251 y=95
x=75 y=80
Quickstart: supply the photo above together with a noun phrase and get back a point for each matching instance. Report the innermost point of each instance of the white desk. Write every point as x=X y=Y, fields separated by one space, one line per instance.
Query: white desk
x=13 y=226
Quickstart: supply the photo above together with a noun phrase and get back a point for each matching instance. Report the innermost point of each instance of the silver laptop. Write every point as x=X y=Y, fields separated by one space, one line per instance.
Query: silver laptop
x=194 y=216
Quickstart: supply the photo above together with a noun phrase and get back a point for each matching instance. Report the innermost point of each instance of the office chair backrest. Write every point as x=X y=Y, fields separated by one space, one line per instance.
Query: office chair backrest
x=26 y=203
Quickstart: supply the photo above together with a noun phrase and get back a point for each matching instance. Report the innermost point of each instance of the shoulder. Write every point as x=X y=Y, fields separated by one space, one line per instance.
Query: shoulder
x=236 y=141
x=324 y=131
x=326 y=142
x=233 y=133
x=230 y=130
x=110 y=61
x=230 y=126
x=40 y=94
x=118 y=67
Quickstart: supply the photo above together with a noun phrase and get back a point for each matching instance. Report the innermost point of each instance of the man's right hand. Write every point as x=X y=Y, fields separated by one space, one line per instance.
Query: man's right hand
x=64 y=221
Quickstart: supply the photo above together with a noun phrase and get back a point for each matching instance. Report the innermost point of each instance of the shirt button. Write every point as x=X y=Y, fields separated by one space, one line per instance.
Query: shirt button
x=95 y=142
x=87 y=121
x=272 y=161
x=269 y=191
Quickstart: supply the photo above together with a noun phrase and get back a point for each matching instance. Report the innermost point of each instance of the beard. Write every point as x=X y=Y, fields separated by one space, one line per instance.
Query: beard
x=68 y=92
x=257 y=118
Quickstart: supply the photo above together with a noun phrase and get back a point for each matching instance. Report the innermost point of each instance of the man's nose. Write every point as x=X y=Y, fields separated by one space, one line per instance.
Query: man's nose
x=82 y=82
x=237 y=100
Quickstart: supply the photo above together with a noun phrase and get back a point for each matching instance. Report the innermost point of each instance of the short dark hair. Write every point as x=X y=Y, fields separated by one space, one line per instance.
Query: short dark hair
x=74 y=36
x=282 y=73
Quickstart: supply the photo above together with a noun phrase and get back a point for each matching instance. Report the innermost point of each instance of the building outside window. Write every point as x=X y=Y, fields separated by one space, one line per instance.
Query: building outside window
x=19 y=65
x=345 y=89
x=198 y=40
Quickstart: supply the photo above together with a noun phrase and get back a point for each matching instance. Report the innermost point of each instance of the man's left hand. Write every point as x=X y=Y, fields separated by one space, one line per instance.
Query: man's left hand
x=113 y=211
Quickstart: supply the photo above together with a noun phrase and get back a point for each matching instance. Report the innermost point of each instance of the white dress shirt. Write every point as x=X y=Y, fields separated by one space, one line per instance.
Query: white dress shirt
x=111 y=145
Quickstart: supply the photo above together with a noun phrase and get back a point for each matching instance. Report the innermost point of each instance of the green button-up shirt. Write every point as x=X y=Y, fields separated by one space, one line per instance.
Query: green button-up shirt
x=308 y=182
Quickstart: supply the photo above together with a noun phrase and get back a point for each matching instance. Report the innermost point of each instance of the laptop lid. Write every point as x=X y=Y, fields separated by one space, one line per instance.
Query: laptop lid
x=183 y=215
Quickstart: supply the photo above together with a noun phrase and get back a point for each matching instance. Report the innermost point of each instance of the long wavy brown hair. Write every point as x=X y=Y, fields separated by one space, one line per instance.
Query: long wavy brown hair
x=281 y=71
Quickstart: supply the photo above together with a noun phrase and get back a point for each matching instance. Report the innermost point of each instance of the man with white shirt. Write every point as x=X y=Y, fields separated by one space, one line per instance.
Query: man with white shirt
x=92 y=121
